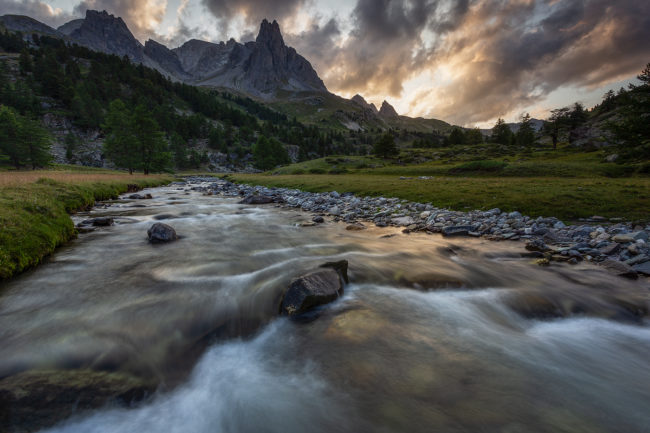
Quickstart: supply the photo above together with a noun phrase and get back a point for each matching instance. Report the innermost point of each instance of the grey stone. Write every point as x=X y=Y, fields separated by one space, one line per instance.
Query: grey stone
x=311 y=290
x=161 y=233
x=643 y=268
x=619 y=268
x=458 y=230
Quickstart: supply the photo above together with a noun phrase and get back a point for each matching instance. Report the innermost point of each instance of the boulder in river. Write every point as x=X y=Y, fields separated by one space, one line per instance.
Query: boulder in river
x=315 y=288
x=98 y=222
x=159 y=233
x=140 y=197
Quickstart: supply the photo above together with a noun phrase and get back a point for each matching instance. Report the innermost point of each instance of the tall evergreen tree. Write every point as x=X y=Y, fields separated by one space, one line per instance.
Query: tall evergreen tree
x=23 y=140
x=501 y=133
x=457 y=136
x=632 y=128
x=526 y=134
x=153 y=151
x=386 y=146
x=556 y=124
x=120 y=144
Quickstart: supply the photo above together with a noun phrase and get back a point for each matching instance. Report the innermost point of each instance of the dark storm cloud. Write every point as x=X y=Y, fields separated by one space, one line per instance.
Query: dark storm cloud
x=36 y=9
x=502 y=55
x=253 y=10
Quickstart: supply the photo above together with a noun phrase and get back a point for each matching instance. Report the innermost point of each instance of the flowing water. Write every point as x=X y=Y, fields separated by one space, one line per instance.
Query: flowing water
x=432 y=335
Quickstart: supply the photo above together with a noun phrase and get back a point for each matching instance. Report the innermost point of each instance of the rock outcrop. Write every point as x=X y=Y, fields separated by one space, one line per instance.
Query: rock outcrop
x=259 y=68
x=387 y=111
x=315 y=288
x=101 y=31
x=360 y=101
x=27 y=25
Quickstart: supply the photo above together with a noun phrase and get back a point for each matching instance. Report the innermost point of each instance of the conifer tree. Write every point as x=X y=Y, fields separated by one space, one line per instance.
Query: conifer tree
x=386 y=146
x=120 y=144
x=526 y=134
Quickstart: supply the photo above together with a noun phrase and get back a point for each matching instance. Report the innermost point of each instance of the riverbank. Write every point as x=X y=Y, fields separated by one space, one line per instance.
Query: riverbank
x=35 y=209
x=621 y=247
x=566 y=198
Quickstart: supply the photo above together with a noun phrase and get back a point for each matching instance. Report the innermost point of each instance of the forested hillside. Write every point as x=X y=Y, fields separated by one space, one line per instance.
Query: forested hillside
x=45 y=75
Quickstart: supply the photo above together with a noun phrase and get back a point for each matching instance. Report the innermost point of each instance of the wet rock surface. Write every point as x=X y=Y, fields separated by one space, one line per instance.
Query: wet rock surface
x=33 y=399
x=316 y=288
x=161 y=233
x=595 y=239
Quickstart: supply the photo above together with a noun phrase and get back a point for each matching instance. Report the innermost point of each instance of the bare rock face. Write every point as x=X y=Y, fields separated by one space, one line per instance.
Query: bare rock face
x=273 y=65
x=259 y=68
x=70 y=26
x=315 y=288
x=24 y=24
x=103 y=32
x=360 y=101
x=387 y=111
x=166 y=59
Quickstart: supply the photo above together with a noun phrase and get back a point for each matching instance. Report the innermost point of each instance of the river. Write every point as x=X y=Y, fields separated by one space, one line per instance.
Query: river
x=432 y=334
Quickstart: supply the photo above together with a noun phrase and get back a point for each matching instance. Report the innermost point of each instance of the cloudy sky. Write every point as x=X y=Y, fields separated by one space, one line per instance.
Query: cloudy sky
x=467 y=61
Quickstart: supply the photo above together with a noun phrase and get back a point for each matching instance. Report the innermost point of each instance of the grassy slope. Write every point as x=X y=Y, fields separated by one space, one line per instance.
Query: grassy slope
x=35 y=208
x=562 y=184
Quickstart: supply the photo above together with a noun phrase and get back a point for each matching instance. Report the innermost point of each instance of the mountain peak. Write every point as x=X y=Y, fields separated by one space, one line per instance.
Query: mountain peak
x=387 y=110
x=270 y=33
x=359 y=100
x=104 y=32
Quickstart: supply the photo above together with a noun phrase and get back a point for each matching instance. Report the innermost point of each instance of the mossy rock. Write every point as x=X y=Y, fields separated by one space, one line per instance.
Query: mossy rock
x=36 y=399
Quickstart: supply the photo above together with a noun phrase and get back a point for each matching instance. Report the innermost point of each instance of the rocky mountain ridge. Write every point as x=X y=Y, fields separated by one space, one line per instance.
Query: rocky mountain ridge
x=260 y=68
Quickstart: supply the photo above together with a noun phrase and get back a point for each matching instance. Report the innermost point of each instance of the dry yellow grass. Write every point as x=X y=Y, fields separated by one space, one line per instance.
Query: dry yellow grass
x=16 y=178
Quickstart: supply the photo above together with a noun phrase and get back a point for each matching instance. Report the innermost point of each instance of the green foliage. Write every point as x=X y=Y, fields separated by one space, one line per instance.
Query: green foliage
x=386 y=147
x=25 y=62
x=457 y=136
x=22 y=140
x=269 y=153
x=632 y=128
x=480 y=166
x=134 y=139
x=501 y=133
x=120 y=144
x=526 y=134
x=153 y=153
x=556 y=124
x=473 y=136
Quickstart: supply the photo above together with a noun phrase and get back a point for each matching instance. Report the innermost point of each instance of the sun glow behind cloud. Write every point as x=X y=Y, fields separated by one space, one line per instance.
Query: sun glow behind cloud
x=465 y=61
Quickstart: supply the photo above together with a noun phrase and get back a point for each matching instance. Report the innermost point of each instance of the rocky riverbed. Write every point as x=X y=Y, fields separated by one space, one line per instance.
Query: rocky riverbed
x=621 y=247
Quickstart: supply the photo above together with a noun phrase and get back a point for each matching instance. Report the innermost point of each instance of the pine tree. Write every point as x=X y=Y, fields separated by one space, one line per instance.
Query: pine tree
x=501 y=133
x=154 y=155
x=556 y=124
x=10 y=143
x=386 y=147
x=526 y=134
x=23 y=140
x=36 y=143
x=120 y=144
x=632 y=129
x=25 y=62
x=457 y=136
